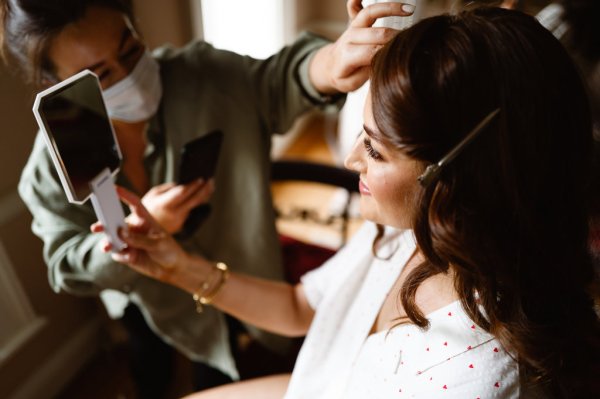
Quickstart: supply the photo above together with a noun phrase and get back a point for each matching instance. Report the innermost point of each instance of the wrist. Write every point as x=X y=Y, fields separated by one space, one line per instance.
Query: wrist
x=190 y=271
x=319 y=71
x=211 y=286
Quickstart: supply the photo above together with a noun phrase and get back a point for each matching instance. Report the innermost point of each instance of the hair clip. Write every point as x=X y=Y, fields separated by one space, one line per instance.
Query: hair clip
x=433 y=171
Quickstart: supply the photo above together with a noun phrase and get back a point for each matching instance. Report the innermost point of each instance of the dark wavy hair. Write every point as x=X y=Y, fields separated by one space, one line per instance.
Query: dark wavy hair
x=509 y=214
x=28 y=27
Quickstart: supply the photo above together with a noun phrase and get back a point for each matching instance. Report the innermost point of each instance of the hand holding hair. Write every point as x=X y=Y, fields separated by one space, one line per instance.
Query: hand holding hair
x=344 y=65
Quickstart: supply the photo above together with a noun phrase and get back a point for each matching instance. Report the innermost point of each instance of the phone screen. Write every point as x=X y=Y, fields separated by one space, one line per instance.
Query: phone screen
x=199 y=157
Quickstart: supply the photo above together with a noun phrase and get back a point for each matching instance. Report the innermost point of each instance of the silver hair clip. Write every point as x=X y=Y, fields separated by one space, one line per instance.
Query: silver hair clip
x=433 y=171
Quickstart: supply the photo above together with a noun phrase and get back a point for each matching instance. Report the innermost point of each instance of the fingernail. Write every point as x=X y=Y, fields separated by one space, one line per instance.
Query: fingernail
x=408 y=8
x=121 y=257
x=156 y=235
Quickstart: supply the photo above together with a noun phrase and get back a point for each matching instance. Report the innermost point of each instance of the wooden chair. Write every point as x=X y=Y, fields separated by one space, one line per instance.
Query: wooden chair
x=299 y=256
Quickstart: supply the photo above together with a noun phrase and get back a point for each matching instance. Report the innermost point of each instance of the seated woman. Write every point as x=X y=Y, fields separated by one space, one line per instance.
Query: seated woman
x=471 y=280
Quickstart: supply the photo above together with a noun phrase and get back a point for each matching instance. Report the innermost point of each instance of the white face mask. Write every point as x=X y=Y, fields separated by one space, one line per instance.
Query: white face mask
x=136 y=97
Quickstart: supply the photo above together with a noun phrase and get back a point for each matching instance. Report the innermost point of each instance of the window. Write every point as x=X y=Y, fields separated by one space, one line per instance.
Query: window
x=256 y=28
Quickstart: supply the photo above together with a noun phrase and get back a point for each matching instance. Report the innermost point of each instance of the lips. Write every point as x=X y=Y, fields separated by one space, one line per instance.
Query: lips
x=362 y=187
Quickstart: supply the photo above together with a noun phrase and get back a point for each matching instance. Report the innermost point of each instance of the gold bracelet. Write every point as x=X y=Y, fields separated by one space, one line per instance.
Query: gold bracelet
x=202 y=297
x=204 y=286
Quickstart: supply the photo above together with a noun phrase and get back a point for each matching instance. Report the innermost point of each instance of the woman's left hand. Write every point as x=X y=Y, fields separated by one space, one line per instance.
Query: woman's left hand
x=170 y=204
x=150 y=249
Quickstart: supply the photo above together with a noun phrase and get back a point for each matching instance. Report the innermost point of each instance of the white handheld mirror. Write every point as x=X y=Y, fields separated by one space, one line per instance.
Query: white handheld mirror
x=83 y=146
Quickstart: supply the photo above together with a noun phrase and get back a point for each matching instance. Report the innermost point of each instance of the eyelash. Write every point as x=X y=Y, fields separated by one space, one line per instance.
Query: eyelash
x=103 y=75
x=371 y=151
x=132 y=51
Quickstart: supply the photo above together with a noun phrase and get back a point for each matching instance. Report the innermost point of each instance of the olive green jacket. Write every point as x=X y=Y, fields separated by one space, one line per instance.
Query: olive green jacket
x=203 y=89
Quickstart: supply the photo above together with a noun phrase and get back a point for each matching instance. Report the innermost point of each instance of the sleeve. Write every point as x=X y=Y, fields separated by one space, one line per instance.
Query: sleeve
x=281 y=84
x=551 y=18
x=318 y=282
x=310 y=90
x=76 y=263
x=270 y=93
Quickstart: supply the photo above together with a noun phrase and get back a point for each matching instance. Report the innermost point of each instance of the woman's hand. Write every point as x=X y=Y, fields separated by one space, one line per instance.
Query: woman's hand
x=170 y=204
x=344 y=66
x=151 y=250
x=353 y=7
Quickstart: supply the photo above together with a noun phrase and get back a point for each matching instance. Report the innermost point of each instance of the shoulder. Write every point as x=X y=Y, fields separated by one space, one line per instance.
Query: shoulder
x=201 y=54
x=196 y=55
x=199 y=68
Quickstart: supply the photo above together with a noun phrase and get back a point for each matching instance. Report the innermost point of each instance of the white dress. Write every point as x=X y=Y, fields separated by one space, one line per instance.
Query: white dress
x=339 y=359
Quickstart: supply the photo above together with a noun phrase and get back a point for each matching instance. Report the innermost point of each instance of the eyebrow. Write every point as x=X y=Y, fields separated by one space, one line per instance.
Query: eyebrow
x=370 y=132
x=374 y=135
x=124 y=37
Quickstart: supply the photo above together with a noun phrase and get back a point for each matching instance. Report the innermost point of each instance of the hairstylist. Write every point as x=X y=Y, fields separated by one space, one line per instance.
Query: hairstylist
x=157 y=103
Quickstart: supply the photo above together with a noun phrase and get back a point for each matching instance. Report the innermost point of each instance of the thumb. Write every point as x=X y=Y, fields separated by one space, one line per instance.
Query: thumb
x=134 y=202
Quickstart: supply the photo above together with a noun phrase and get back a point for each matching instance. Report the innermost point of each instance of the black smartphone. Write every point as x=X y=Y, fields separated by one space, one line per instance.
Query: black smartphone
x=199 y=157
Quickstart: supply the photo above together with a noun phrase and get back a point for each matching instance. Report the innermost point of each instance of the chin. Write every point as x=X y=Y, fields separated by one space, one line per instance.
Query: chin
x=372 y=215
x=368 y=213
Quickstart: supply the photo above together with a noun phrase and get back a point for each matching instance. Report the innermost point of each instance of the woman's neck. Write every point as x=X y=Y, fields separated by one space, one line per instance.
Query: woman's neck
x=433 y=293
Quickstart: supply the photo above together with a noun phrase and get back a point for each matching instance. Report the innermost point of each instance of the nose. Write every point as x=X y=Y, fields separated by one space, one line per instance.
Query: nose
x=354 y=160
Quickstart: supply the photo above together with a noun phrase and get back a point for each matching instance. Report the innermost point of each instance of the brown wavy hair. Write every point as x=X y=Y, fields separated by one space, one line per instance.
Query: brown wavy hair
x=509 y=214
x=29 y=26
